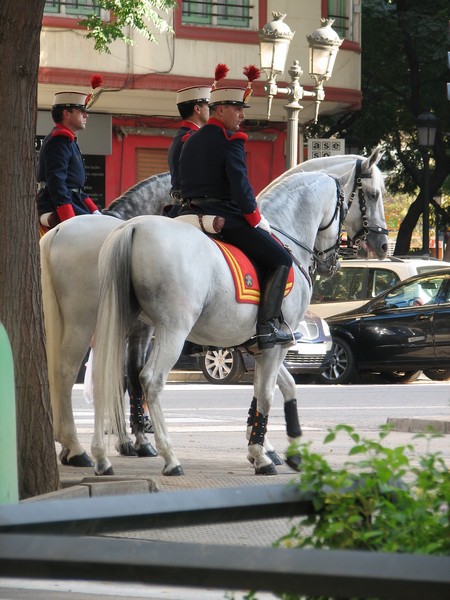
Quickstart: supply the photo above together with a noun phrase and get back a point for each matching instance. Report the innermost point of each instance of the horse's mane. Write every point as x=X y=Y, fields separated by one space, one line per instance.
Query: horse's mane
x=286 y=186
x=324 y=162
x=134 y=196
x=287 y=195
x=337 y=164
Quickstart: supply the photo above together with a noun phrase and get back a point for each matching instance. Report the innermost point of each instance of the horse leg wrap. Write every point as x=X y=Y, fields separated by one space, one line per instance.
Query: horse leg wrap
x=136 y=415
x=259 y=429
x=293 y=428
x=251 y=413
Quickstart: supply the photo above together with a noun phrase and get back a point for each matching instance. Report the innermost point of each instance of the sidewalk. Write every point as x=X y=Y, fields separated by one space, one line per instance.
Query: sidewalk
x=216 y=459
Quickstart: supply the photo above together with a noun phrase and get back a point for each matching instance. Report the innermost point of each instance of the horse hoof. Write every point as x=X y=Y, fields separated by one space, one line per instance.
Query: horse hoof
x=81 y=460
x=63 y=456
x=108 y=471
x=274 y=457
x=127 y=449
x=175 y=472
x=146 y=450
x=266 y=470
x=294 y=462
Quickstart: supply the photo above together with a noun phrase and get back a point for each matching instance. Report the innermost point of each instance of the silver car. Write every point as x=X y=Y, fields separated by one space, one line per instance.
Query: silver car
x=308 y=357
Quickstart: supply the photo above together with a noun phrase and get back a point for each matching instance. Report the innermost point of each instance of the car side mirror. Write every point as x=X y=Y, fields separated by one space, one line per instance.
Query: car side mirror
x=380 y=305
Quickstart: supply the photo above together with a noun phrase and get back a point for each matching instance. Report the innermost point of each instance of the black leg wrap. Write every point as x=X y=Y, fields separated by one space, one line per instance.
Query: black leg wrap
x=136 y=415
x=259 y=429
x=251 y=413
x=293 y=428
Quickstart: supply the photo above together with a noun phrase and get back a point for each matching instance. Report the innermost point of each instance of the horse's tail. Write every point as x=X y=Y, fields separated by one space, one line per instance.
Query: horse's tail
x=53 y=320
x=113 y=320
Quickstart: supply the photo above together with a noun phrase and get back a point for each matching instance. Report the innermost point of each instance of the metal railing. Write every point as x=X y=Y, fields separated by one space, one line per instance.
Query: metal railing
x=60 y=539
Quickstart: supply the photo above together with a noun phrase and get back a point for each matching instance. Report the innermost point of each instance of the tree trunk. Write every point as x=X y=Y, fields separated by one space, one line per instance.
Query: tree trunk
x=407 y=227
x=20 y=285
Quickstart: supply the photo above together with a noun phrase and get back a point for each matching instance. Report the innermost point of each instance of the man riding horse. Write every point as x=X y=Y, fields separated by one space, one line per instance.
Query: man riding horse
x=214 y=181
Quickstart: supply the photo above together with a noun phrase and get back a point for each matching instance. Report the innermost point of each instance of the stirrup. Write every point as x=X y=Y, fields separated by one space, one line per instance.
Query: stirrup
x=268 y=335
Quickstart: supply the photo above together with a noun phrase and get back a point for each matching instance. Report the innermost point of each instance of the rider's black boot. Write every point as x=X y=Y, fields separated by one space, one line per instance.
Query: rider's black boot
x=270 y=310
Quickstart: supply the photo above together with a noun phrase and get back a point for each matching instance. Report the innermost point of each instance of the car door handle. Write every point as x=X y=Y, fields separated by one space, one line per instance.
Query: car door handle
x=424 y=317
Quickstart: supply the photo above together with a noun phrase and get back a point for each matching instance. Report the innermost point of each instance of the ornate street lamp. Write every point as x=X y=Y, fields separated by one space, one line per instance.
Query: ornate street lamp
x=275 y=38
x=426 y=133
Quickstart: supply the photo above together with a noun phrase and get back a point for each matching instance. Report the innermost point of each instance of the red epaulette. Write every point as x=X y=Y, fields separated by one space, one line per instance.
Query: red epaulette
x=238 y=135
x=187 y=135
x=60 y=130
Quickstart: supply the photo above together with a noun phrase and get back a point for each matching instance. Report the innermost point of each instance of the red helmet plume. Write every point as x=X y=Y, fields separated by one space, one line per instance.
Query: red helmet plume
x=220 y=73
x=252 y=73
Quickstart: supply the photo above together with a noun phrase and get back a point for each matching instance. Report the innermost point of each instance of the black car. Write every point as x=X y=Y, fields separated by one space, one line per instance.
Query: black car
x=401 y=332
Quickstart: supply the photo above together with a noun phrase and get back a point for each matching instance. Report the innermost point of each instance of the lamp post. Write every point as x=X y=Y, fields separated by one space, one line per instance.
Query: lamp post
x=438 y=201
x=426 y=130
x=275 y=38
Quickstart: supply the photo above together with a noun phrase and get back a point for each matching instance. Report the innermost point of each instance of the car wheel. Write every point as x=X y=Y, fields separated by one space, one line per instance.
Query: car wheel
x=303 y=379
x=401 y=376
x=223 y=365
x=437 y=374
x=342 y=367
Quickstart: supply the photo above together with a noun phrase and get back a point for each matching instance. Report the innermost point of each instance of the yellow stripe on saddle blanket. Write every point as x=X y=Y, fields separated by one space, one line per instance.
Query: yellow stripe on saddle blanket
x=244 y=274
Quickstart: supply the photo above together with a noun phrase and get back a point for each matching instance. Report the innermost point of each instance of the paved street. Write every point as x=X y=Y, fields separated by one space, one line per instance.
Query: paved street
x=207 y=426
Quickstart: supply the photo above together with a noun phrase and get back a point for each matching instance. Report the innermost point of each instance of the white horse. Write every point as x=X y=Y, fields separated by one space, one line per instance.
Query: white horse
x=69 y=255
x=180 y=281
x=369 y=234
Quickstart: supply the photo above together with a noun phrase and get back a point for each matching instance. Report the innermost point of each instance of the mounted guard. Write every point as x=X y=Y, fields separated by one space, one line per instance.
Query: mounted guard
x=61 y=175
x=214 y=181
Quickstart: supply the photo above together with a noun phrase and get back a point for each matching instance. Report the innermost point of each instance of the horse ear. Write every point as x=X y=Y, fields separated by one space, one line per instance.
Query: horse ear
x=373 y=159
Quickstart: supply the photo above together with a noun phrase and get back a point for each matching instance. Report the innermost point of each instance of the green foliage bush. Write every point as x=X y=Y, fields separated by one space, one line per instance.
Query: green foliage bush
x=382 y=500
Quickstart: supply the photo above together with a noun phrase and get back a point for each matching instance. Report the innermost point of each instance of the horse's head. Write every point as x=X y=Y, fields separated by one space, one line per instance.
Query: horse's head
x=328 y=239
x=365 y=221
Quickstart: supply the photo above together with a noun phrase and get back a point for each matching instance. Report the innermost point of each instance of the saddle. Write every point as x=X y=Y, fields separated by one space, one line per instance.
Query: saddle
x=243 y=271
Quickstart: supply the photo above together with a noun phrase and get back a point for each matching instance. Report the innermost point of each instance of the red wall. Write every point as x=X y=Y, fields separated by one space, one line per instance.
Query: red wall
x=265 y=158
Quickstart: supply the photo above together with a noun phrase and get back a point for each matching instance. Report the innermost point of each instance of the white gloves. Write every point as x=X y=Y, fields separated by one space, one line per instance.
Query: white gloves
x=264 y=224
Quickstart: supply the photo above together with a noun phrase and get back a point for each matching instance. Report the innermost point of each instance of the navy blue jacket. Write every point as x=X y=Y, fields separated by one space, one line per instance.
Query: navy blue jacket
x=61 y=167
x=187 y=128
x=212 y=165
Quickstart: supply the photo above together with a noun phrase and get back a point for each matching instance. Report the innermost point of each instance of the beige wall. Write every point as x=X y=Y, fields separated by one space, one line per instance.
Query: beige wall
x=181 y=57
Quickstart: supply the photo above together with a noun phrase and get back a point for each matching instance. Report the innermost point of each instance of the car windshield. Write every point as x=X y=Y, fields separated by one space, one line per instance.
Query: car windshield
x=415 y=293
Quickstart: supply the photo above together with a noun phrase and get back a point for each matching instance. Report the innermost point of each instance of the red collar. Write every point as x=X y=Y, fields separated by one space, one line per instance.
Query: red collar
x=237 y=135
x=60 y=129
x=189 y=125
x=213 y=121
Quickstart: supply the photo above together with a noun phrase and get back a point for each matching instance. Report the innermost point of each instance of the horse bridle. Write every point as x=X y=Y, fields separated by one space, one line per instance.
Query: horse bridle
x=319 y=257
x=361 y=236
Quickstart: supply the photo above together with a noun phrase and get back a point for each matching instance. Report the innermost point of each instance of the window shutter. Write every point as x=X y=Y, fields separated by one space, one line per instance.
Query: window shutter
x=150 y=161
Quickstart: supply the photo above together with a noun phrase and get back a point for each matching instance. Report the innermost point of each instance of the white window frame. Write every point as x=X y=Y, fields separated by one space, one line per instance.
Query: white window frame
x=212 y=16
x=349 y=26
x=69 y=9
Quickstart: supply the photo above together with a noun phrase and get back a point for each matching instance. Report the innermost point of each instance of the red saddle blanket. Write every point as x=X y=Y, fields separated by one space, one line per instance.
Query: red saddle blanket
x=244 y=274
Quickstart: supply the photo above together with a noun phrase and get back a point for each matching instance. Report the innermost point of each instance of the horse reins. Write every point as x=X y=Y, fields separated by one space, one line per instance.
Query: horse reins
x=318 y=255
x=341 y=210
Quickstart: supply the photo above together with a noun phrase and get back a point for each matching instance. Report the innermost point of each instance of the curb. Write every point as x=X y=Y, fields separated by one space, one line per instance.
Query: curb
x=419 y=425
x=109 y=485
x=186 y=377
